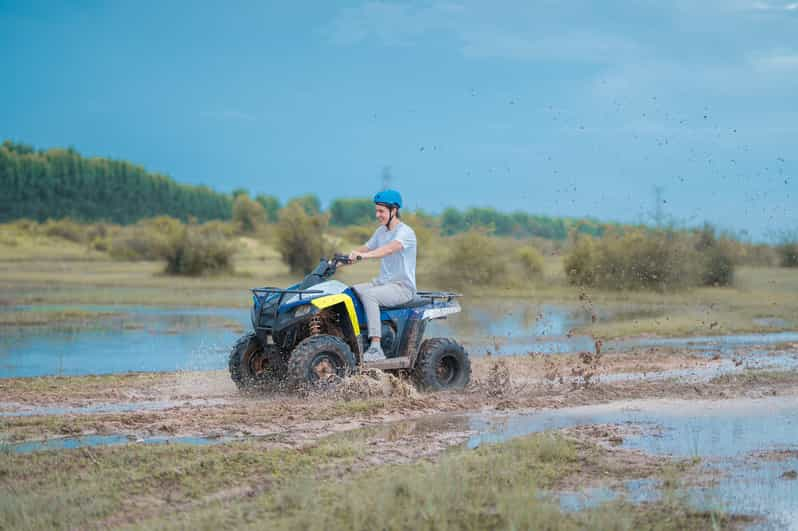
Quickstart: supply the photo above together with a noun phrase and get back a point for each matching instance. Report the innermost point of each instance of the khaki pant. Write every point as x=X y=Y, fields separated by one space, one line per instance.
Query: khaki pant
x=375 y=295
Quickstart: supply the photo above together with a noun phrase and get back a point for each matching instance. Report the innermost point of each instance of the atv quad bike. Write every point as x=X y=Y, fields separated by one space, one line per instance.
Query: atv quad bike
x=315 y=331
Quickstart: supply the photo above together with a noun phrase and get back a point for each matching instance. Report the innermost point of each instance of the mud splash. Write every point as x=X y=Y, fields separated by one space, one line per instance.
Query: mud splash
x=372 y=383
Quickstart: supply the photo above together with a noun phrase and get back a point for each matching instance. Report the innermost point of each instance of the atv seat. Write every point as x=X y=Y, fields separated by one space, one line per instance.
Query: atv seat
x=415 y=302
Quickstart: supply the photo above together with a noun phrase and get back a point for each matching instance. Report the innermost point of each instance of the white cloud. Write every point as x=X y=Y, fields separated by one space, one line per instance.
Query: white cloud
x=480 y=34
x=776 y=62
x=392 y=24
x=576 y=45
x=773 y=6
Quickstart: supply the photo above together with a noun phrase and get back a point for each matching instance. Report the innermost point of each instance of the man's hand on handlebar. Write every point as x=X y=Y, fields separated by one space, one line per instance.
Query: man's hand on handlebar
x=355 y=256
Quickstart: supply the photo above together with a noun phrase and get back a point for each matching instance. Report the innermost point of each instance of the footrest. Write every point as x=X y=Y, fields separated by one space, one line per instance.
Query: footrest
x=388 y=364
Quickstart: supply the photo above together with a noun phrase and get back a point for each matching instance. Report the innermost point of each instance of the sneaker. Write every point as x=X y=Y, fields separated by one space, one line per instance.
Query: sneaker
x=374 y=353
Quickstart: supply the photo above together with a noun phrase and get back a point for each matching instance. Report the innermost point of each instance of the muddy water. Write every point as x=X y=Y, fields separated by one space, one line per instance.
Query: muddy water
x=749 y=447
x=142 y=339
x=167 y=339
x=104 y=440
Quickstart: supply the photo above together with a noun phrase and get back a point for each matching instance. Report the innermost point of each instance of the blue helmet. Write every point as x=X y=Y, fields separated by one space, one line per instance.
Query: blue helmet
x=388 y=198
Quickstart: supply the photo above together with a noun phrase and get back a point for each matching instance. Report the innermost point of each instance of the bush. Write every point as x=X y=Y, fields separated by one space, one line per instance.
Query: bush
x=472 y=259
x=300 y=238
x=580 y=264
x=358 y=234
x=530 y=261
x=788 y=254
x=199 y=249
x=248 y=215
x=658 y=260
x=718 y=266
x=65 y=229
x=149 y=239
x=426 y=233
x=188 y=249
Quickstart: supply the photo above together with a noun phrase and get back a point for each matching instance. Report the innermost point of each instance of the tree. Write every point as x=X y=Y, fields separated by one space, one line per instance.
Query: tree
x=300 y=238
x=271 y=205
x=248 y=215
x=309 y=203
x=344 y=212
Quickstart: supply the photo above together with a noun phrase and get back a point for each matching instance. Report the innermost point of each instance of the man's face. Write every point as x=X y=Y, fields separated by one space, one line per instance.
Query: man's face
x=383 y=213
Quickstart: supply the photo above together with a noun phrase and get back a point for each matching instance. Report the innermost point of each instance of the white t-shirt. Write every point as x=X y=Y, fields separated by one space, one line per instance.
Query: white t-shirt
x=400 y=266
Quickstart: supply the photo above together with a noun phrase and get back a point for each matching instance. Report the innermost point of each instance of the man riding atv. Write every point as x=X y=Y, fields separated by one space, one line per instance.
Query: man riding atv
x=394 y=242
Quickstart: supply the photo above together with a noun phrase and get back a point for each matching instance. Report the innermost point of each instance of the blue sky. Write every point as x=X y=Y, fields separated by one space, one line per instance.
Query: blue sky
x=553 y=107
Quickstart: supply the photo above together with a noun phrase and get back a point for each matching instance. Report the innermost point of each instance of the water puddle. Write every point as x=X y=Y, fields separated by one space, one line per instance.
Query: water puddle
x=10 y=409
x=67 y=443
x=729 y=436
x=157 y=339
x=143 y=339
x=728 y=364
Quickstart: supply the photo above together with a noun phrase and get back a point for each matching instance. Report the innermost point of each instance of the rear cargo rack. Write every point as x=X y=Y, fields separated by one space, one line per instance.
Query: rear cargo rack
x=438 y=295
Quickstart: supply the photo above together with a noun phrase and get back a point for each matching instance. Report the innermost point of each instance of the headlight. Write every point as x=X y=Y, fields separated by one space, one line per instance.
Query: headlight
x=303 y=310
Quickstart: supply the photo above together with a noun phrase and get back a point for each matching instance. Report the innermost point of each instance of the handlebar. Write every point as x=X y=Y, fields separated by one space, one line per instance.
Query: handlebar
x=343 y=259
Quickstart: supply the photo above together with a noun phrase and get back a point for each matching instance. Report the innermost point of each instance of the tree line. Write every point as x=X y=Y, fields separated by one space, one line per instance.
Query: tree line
x=59 y=183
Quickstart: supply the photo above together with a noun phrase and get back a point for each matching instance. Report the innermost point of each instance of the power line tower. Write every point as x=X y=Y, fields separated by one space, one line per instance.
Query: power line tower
x=386 y=177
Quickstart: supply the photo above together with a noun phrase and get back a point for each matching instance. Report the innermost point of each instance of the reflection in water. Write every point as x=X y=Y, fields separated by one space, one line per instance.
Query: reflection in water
x=104 y=440
x=160 y=339
x=728 y=436
x=145 y=339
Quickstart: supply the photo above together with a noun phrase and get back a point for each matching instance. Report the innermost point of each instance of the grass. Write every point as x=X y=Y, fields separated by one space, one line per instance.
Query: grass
x=77 y=318
x=50 y=490
x=333 y=485
x=74 y=387
x=755 y=377
x=69 y=277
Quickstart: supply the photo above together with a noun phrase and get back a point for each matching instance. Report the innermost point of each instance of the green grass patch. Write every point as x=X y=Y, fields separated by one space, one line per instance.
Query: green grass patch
x=756 y=377
x=332 y=485
x=500 y=486
x=83 y=487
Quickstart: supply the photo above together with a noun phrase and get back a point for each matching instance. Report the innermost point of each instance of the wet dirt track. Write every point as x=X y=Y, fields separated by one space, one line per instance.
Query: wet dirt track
x=207 y=404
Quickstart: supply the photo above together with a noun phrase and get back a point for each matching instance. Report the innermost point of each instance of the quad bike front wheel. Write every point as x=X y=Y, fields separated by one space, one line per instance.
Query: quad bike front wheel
x=318 y=359
x=442 y=364
x=252 y=364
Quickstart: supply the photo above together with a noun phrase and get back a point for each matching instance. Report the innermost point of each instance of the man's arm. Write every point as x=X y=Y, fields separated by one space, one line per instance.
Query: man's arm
x=391 y=247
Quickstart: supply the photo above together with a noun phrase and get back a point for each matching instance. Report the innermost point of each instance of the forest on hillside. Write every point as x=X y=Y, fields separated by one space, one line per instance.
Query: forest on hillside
x=59 y=183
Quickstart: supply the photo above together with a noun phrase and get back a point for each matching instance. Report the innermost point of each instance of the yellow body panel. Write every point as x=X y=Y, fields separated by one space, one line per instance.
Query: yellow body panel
x=332 y=300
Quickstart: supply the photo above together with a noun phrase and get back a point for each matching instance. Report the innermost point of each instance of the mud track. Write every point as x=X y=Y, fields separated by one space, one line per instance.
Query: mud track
x=207 y=404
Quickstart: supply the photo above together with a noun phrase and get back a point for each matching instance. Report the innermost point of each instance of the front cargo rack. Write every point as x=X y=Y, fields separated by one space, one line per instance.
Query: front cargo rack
x=265 y=292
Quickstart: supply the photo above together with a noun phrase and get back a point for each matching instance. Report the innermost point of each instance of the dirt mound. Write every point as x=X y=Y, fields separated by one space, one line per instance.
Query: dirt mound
x=374 y=383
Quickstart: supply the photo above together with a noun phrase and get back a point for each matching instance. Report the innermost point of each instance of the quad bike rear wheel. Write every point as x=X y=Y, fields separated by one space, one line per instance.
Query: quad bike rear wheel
x=442 y=364
x=252 y=364
x=318 y=359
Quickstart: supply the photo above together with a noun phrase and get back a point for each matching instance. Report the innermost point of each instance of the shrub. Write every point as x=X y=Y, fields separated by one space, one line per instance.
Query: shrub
x=471 y=259
x=198 y=249
x=149 y=239
x=248 y=215
x=358 y=234
x=65 y=229
x=718 y=266
x=530 y=261
x=659 y=260
x=580 y=264
x=426 y=233
x=788 y=254
x=300 y=238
